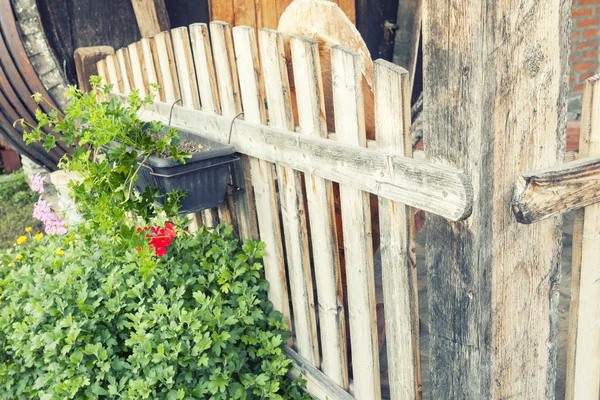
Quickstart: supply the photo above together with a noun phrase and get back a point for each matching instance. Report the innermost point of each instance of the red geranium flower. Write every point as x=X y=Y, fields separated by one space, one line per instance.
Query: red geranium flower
x=160 y=238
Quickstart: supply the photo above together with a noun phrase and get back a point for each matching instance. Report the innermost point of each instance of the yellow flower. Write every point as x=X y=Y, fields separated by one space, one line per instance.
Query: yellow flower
x=28 y=229
x=66 y=225
x=39 y=236
x=60 y=252
x=11 y=265
x=21 y=239
x=19 y=257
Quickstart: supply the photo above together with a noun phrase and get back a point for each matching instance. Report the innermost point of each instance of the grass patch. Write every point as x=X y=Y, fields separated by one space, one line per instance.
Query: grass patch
x=16 y=206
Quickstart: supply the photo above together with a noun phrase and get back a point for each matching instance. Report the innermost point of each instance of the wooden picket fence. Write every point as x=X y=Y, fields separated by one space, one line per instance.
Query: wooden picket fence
x=321 y=279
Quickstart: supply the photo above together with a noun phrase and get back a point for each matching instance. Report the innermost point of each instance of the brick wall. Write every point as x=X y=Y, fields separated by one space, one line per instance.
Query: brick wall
x=585 y=46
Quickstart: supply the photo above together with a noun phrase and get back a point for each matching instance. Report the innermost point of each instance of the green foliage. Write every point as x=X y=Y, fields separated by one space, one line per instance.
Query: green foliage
x=97 y=319
x=16 y=205
x=110 y=145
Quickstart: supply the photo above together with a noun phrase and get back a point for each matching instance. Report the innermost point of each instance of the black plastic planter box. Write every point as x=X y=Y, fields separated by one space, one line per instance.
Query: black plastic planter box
x=204 y=176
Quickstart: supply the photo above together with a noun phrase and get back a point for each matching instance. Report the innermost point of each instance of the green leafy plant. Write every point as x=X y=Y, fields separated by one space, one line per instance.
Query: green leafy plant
x=110 y=144
x=83 y=319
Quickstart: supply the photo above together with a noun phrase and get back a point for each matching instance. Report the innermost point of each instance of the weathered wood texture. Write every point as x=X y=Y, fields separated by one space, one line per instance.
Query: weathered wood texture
x=399 y=269
x=293 y=212
x=583 y=359
x=85 y=63
x=321 y=212
x=358 y=248
x=261 y=172
x=262 y=13
x=70 y=24
x=229 y=94
x=441 y=190
x=551 y=191
x=151 y=16
x=495 y=78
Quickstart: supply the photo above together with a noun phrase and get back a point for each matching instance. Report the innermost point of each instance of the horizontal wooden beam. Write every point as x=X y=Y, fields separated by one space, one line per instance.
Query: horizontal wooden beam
x=551 y=191
x=318 y=385
x=433 y=188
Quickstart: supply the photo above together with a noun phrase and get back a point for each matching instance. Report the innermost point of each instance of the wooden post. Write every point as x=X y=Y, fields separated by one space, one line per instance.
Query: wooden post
x=495 y=78
x=583 y=360
x=85 y=63
x=151 y=16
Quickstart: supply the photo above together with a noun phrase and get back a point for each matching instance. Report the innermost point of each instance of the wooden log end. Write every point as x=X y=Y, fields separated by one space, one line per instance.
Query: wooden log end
x=520 y=207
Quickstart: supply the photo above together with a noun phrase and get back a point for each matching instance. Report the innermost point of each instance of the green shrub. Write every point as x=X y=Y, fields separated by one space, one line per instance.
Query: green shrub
x=87 y=316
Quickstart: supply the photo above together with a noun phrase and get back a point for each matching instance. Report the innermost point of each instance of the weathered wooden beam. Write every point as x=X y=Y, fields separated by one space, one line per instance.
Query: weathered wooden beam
x=85 y=63
x=551 y=191
x=495 y=83
x=318 y=385
x=151 y=16
x=438 y=189
x=583 y=363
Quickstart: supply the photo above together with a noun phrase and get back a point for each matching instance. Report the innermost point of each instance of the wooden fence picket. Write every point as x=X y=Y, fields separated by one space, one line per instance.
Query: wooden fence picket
x=392 y=127
x=103 y=71
x=267 y=207
x=229 y=95
x=112 y=67
x=583 y=360
x=293 y=213
x=186 y=74
x=356 y=216
x=319 y=194
x=125 y=68
x=165 y=67
x=138 y=69
x=150 y=69
x=205 y=68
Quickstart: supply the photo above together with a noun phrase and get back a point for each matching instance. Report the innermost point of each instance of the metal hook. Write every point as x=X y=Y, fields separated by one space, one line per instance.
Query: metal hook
x=171 y=111
x=231 y=127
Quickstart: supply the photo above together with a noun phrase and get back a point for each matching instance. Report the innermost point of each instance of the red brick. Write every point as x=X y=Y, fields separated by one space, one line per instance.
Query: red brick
x=588 y=22
x=573 y=58
x=571 y=80
x=575 y=35
x=590 y=33
x=578 y=88
x=584 y=45
x=584 y=66
x=581 y=13
x=587 y=2
x=585 y=75
x=590 y=54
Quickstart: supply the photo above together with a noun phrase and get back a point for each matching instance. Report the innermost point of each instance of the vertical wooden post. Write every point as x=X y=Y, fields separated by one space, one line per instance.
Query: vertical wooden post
x=583 y=361
x=495 y=77
x=151 y=16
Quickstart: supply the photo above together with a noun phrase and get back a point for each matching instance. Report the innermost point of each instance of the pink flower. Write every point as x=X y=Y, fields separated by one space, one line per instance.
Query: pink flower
x=37 y=183
x=52 y=222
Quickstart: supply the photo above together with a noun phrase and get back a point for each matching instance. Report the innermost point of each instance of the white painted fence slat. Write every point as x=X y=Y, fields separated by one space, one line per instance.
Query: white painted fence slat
x=205 y=69
x=267 y=207
x=165 y=66
x=583 y=360
x=319 y=194
x=125 y=68
x=392 y=130
x=356 y=218
x=138 y=67
x=112 y=66
x=147 y=45
x=188 y=88
x=292 y=200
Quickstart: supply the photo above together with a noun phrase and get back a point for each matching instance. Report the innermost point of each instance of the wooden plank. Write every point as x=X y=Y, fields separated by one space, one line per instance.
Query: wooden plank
x=419 y=184
x=165 y=66
x=495 y=82
x=205 y=68
x=229 y=95
x=555 y=190
x=222 y=10
x=293 y=213
x=261 y=172
x=266 y=14
x=152 y=78
x=319 y=195
x=399 y=270
x=151 y=15
x=349 y=8
x=185 y=68
x=125 y=69
x=244 y=13
x=102 y=69
x=138 y=69
x=207 y=89
x=114 y=74
x=583 y=361
x=318 y=385
x=86 y=59
x=356 y=217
